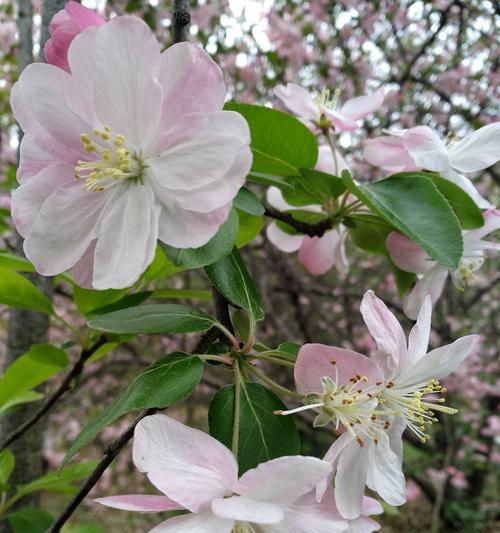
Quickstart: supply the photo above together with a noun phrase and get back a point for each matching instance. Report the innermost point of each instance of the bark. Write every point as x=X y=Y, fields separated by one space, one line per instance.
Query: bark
x=180 y=21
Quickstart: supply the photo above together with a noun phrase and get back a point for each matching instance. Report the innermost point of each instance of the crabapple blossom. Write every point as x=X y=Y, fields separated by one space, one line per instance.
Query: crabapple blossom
x=408 y=256
x=197 y=473
x=317 y=254
x=326 y=112
x=131 y=147
x=64 y=27
x=422 y=148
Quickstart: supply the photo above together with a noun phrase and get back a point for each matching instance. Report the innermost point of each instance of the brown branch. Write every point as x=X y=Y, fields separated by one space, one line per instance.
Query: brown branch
x=65 y=386
x=181 y=19
x=312 y=230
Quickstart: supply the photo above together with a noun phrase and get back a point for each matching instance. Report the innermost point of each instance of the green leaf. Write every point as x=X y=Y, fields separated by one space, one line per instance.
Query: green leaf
x=369 y=233
x=166 y=382
x=20 y=399
x=415 y=207
x=60 y=481
x=7 y=463
x=262 y=435
x=129 y=300
x=249 y=203
x=14 y=262
x=101 y=352
x=280 y=143
x=219 y=246
x=463 y=205
x=183 y=294
x=269 y=180
x=37 y=365
x=404 y=280
x=314 y=187
x=231 y=278
x=17 y=291
x=250 y=227
x=86 y=300
x=30 y=520
x=161 y=267
x=289 y=350
x=157 y=318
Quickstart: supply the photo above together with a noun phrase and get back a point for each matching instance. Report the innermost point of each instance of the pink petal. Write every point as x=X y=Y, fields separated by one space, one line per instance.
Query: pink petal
x=363 y=525
x=82 y=16
x=141 y=503
x=326 y=163
x=283 y=241
x=384 y=328
x=298 y=101
x=244 y=509
x=388 y=153
x=491 y=223
x=316 y=253
x=189 y=466
x=192 y=82
x=65 y=227
x=407 y=254
x=202 y=522
x=360 y=107
x=332 y=456
x=315 y=361
x=440 y=362
x=418 y=339
x=477 y=150
x=426 y=148
x=126 y=237
x=282 y=481
x=122 y=54
x=83 y=271
x=432 y=283
x=183 y=228
x=371 y=506
x=56 y=48
x=340 y=121
x=33 y=158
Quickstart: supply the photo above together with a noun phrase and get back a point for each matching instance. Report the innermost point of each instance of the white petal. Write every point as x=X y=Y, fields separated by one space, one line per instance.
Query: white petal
x=186 y=464
x=283 y=480
x=127 y=235
x=282 y=240
x=467 y=185
x=491 y=223
x=385 y=475
x=477 y=150
x=142 y=503
x=244 y=509
x=419 y=335
x=66 y=225
x=426 y=148
x=432 y=283
x=298 y=101
x=332 y=456
x=203 y=522
x=440 y=362
x=361 y=106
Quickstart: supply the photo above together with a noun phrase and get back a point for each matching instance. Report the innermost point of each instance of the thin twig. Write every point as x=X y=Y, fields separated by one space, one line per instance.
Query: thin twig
x=64 y=387
x=180 y=21
x=312 y=230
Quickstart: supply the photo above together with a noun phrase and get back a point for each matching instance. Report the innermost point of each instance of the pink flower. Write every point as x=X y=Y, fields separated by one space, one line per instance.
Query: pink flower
x=317 y=254
x=315 y=111
x=130 y=148
x=408 y=256
x=422 y=148
x=64 y=27
x=197 y=473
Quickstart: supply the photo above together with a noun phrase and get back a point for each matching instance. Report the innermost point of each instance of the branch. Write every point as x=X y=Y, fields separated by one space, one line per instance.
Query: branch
x=65 y=386
x=312 y=230
x=181 y=19
x=109 y=455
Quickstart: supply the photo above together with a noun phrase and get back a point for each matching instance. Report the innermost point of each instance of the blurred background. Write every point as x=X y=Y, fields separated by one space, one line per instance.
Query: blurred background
x=439 y=63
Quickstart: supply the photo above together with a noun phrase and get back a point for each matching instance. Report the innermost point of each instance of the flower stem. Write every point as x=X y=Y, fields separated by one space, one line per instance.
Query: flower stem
x=274 y=360
x=272 y=384
x=237 y=405
x=331 y=141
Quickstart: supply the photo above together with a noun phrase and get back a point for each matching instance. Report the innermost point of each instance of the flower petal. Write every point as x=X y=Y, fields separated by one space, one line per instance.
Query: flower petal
x=467 y=185
x=426 y=148
x=477 y=150
x=66 y=224
x=244 y=509
x=142 y=503
x=83 y=271
x=385 y=475
x=283 y=480
x=371 y=506
x=440 y=362
x=407 y=254
x=361 y=106
x=314 y=361
x=419 y=335
x=125 y=61
x=432 y=283
x=283 y=241
x=326 y=163
x=491 y=223
x=182 y=228
x=298 y=101
x=384 y=328
x=316 y=253
x=27 y=200
x=127 y=235
x=388 y=153
x=202 y=522
x=192 y=82
x=189 y=466
x=332 y=456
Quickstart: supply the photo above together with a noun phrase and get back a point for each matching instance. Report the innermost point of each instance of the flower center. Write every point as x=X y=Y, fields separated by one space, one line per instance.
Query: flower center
x=243 y=527
x=115 y=163
x=353 y=405
x=465 y=273
x=416 y=404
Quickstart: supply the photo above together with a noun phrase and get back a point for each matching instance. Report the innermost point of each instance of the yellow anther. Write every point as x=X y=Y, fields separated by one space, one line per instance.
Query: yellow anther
x=119 y=140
